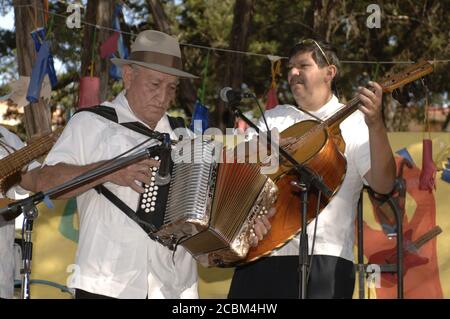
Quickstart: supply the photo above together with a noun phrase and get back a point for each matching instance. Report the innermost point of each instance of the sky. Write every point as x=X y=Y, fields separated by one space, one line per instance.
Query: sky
x=7 y=21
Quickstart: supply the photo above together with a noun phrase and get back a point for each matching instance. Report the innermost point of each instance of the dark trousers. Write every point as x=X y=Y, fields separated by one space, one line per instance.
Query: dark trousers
x=82 y=294
x=277 y=277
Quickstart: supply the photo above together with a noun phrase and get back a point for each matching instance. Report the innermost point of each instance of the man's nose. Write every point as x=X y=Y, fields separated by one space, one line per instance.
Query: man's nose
x=294 y=71
x=161 y=95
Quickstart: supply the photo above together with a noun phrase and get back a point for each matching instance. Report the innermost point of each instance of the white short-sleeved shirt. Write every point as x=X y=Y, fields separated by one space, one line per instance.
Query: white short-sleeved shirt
x=115 y=257
x=335 y=225
x=7 y=259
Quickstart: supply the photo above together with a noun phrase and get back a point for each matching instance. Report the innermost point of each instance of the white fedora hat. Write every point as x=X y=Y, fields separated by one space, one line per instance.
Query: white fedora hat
x=157 y=51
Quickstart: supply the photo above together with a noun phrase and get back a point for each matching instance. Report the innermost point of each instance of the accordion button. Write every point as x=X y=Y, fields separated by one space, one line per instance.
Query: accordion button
x=156 y=158
x=154 y=198
x=152 y=183
x=156 y=188
x=143 y=206
x=147 y=210
x=153 y=173
x=152 y=179
x=152 y=203
x=147 y=205
x=154 y=169
x=155 y=193
x=152 y=209
x=145 y=195
x=144 y=201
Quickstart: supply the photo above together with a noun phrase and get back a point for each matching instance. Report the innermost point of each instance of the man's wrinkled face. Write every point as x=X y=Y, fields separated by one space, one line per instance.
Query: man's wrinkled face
x=149 y=92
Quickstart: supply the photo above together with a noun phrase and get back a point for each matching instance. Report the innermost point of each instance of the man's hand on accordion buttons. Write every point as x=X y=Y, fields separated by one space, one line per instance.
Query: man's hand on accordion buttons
x=134 y=175
x=261 y=227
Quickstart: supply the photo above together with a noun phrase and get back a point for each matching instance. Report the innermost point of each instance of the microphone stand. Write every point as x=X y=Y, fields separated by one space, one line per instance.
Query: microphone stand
x=308 y=179
x=28 y=207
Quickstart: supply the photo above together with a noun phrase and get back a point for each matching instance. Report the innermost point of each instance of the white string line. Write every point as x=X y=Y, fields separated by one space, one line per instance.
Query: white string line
x=226 y=50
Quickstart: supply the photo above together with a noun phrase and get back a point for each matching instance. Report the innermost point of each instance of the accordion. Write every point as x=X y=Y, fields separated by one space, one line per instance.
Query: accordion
x=208 y=207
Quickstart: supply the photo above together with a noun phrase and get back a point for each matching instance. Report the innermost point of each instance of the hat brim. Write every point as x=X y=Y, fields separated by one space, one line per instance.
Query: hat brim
x=156 y=67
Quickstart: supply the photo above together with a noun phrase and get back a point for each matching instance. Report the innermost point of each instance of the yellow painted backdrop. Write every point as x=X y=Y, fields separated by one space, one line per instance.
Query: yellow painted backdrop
x=55 y=232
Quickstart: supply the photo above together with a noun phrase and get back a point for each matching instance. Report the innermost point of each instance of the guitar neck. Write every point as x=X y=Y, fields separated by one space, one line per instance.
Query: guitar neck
x=388 y=84
x=429 y=235
x=15 y=161
x=343 y=113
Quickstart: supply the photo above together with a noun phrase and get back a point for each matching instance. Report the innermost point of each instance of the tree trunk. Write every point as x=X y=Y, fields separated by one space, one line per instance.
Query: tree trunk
x=239 y=40
x=188 y=94
x=323 y=18
x=37 y=115
x=99 y=12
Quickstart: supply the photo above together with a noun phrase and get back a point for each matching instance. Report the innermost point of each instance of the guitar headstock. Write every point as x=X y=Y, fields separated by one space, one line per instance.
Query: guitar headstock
x=410 y=74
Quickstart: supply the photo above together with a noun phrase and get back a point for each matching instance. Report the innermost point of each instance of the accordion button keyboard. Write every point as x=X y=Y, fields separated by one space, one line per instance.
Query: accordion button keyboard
x=148 y=198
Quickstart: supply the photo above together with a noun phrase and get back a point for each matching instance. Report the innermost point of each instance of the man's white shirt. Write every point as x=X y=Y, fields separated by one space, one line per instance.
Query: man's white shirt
x=115 y=257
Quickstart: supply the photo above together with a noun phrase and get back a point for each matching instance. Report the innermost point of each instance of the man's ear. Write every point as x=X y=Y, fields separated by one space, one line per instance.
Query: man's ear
x=331 y=72
x=127 y=75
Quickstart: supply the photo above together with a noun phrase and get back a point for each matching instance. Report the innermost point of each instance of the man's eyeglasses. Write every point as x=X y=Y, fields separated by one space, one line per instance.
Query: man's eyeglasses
x=311 y=41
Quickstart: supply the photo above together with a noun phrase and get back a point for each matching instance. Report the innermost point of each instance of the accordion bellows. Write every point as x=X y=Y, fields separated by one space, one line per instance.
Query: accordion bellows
x=211 y=206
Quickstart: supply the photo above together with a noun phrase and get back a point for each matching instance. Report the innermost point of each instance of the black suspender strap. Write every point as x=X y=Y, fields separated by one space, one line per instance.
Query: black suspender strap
x=101 y=189
x=110 y=114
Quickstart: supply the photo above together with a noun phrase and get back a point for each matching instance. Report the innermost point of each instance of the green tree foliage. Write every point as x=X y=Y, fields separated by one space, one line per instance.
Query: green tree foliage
x=409 y=30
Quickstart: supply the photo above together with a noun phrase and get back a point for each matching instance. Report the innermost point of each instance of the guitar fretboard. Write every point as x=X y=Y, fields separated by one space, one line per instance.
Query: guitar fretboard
x=15 y=161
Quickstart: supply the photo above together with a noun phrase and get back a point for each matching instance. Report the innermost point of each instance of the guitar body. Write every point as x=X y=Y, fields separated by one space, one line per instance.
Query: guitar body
x=322 y=156
x=3 y=203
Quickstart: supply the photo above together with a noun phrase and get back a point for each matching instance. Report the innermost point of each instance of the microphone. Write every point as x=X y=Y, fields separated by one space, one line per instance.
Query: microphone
x=229 y=95
x=162 y=176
